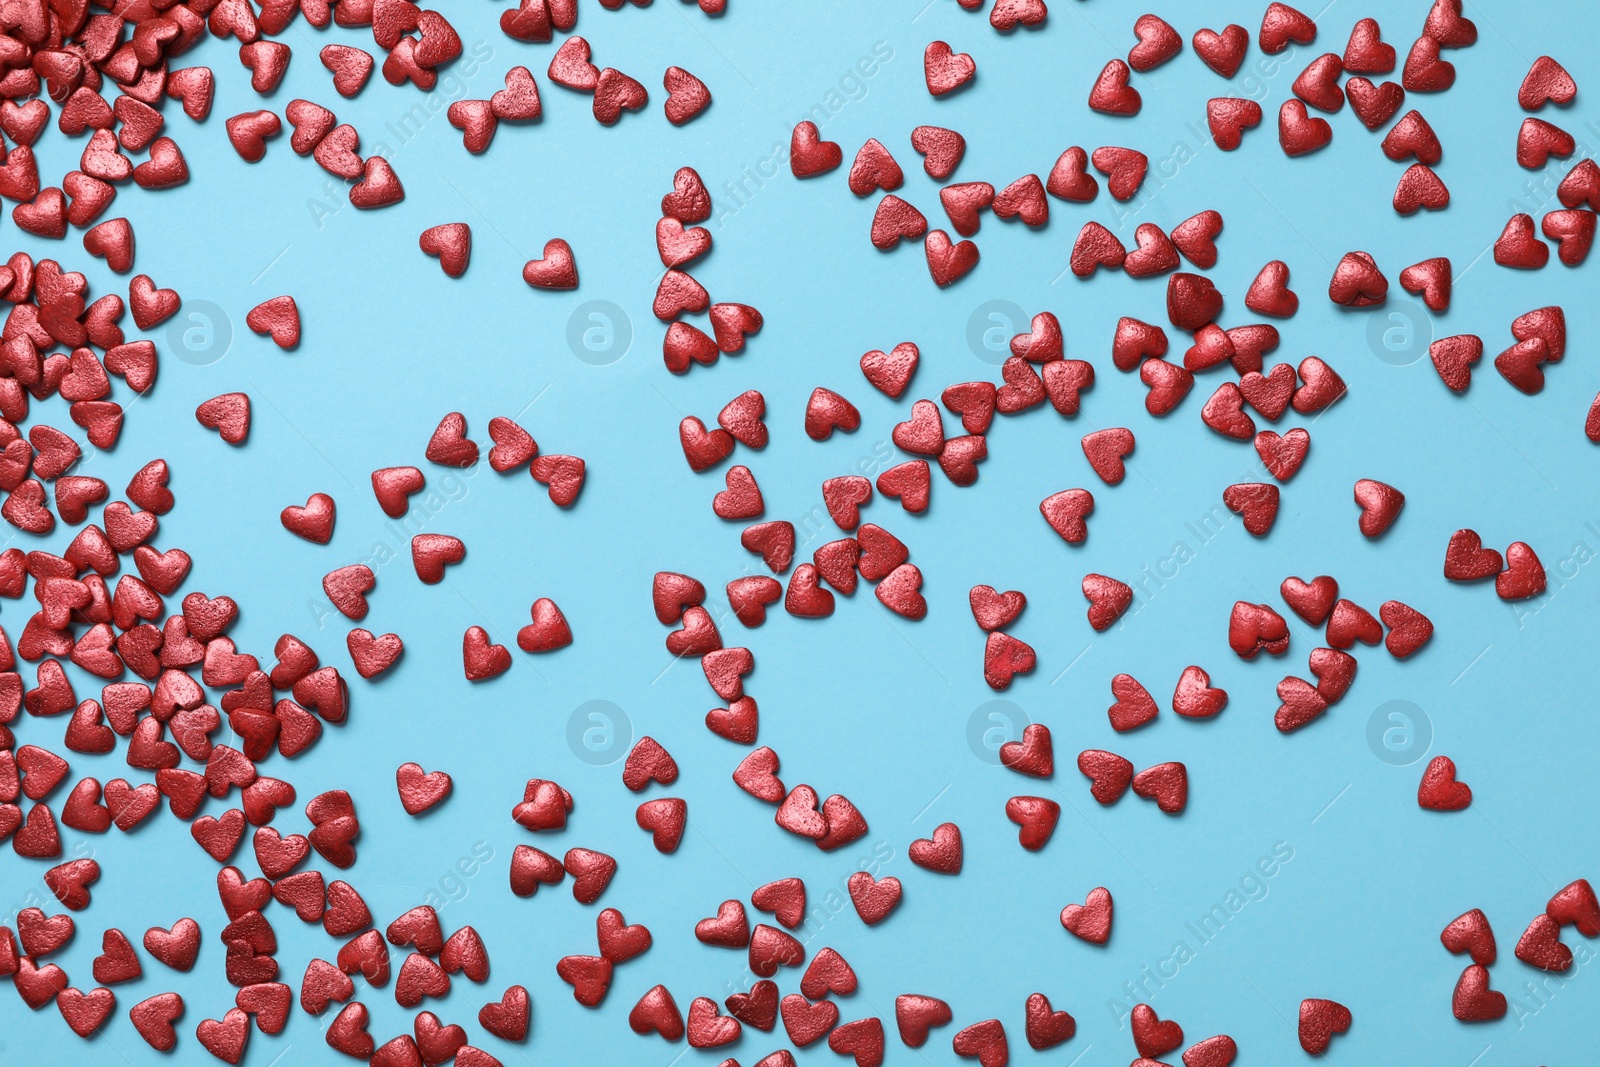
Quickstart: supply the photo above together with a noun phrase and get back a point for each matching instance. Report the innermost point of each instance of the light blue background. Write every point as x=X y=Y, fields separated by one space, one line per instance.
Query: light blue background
x=865 y=703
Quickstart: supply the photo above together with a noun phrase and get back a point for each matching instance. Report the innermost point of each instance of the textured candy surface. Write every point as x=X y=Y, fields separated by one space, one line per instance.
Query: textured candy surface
x=332 y=565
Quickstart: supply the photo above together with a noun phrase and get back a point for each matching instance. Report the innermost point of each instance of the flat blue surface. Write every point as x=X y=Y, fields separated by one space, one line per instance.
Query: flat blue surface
x=865 y=703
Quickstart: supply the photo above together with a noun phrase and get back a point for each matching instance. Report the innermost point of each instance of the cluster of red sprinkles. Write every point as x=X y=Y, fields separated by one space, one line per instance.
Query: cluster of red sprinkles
x=173 y=679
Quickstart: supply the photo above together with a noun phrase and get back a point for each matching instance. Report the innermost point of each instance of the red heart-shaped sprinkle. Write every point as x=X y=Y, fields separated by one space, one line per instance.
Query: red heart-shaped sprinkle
x=1409 y=629
x=1470 y=932
x=809 y=154
x=941 y=853
x=942 y=150
x=1151 y=1035
x=1320 y=1020
x=1439 y=789
x=1380 y=506
x=1166 y=783
x=1222 y=52
x=1424 y=71
x=758 y=1007
x=1037 y=817
x=915 y=1015
x=1473 y=1001
x=1282 y=24
x=1546 y=82
x=1375 y=105
x=945 y=70
x=1300 y=133
x=1366 y=52
x=1091 y=920
x=873 y=898
x=985 y=1041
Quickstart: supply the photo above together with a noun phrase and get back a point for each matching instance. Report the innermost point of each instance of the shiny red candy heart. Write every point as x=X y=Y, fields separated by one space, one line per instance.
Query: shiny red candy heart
x=1540 y=945
x=1155 y=253
x=1439 y=790
x=945 y=70
x=1256 y=503
x=942 y=853
x=1228 y=118
x=1470 y=933
x=1024 y=199
x=1300 y=133
x=1043 y=343
x=1194 y=696
x=941 y=149
x=1409 y=629
x=1091 y=920
x=1108 y=773
x=1037 y=817
x=873 y=898
x=1349 y=623
x=1166 y=783
x=1538 y=140
x=1373 y=104
x=1108 y=598
x=741 y=499
x=1431 y=280
x=1153 y=1036
x=152 y=1017
x=1253 y=628
x=1320 y=1020
x=666 y=820
x=1547 y=81
x=1524 y=575
x=1096 y=247
x=985 y=1042
x=1366 y=52
x=687 y=96
x=616 y=92
x=1066 y=513
x=907 y=482
x=1473 y=1001
x=228 y=414
x=1318 y=84
x=557 y=270
x=1158 y=42
x=1575 y=904
x=1134 y=705
x=758 y=1007
x=1419 y=188
x=1111 y=94
x=1105 y=451
x=827 y=411
x=1222 y=52
x=420 y=790
x=1380 y=506
x=1466 y=560
x=1321 y=386
x=771 y=948
x=1424 y=70
x=947 y=262
x=809 y=154
x=85 y=1012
